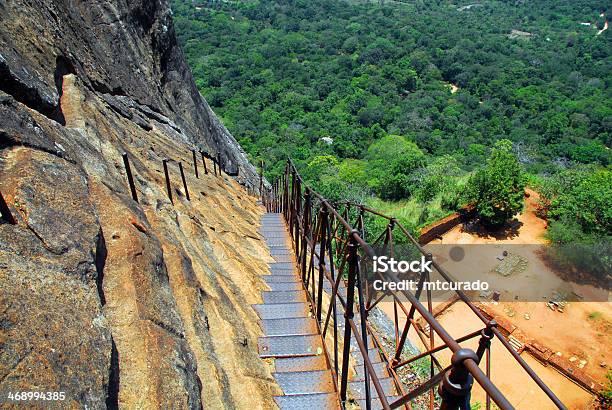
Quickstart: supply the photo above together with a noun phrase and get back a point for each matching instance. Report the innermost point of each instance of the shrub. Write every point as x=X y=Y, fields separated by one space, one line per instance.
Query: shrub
x=497 y=189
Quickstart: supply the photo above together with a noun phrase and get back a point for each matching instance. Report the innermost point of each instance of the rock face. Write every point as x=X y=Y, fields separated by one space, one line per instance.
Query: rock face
x=114 y=302
x=124 y=51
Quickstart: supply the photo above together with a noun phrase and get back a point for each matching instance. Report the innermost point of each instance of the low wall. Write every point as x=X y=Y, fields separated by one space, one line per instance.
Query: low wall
x=440 y=227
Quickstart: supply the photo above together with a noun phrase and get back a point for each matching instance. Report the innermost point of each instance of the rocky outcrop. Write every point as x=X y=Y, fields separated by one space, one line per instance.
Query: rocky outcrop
x=124 y=51
x=114 y=302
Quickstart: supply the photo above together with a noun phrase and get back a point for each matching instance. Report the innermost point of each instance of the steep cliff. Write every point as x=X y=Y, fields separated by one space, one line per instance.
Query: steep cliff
x=114 y=302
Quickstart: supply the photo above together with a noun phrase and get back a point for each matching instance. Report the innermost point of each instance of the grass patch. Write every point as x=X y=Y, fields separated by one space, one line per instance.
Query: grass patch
x=594 y=315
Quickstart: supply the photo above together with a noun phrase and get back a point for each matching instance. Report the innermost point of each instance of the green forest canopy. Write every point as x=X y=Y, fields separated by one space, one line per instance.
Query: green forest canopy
x=343 y=87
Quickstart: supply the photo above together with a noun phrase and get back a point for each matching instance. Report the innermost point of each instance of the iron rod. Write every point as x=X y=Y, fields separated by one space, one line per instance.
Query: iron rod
x=184 y=181
x=195 y=163
x=168 y=188
x=6 y=212
x=128 y=171
x=350 y=299
x=204 y=162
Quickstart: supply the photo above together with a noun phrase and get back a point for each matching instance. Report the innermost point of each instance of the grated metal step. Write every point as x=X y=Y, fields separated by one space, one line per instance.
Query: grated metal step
x=282 y=310
x=372 y=353
x=284 y=286
x=380 y=368
x=276 y=242
x=290 y=346
x=280 y=266
x=281 y=251
x=323 y=401
x=282 y=279
x=357 y=388
x=316 y=381
x=289 y=327
x=269 y=234
x=288 y=296
x=283 y=272
x=376 y=403
x=300 y=364
x=284 y=258
x=355 y=346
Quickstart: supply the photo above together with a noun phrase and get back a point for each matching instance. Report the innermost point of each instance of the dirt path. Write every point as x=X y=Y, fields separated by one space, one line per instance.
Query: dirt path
x=506 y=373
x=580 y=332
x=528 y=228
x=572 y=332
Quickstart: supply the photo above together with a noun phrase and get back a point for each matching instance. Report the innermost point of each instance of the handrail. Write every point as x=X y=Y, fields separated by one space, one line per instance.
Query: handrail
x=311 y=225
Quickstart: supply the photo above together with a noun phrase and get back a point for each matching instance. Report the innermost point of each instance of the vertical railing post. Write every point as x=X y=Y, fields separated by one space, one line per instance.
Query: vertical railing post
x=306 y=226
x=484 y=347
x=261 y=171
x=298 y=210
x=364 y=332
x=428 y=257
x=456 y=387
x=184 y=181
x=486 y=335
x=128 y=171
x=286 y=193
x=350 y=300
x=214 y=161
x=204 y=162
x=292 y=203
x=361 y=224
x=195 y=163
x=334 y=304
x=168 y=187
x=219 y=162
x=6 y=212
x=322 y=247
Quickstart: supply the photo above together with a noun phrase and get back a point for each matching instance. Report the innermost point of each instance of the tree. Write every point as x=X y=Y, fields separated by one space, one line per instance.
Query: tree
x=497 y=189
x=321 y=166
x=393 y=161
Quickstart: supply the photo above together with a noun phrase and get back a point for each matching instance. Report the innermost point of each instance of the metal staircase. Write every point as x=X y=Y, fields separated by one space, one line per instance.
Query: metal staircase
x=292 y=337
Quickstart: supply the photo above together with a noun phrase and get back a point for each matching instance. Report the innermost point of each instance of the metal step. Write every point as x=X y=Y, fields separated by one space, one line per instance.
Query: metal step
x=274 y=243
x=284 y=259
x=355 y=345
x=290 y=346
x=300 y=364
x=282 y=310
x=376 y=403
x=284 y=272
x=372 y=353
x=289 y=296
x=380 y=368
x=289 y=327
x=316 y=381
x=282 y=279
x=323 y=401
x=284 y=286
x=269 y=234
x=280 y=266
x=357 y=388
x=281 y=251
x=328 y=287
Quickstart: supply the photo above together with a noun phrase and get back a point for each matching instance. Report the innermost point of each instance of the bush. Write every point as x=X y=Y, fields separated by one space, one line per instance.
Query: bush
x=587 y=198
x=392 y=163
x=574 y=250
x=498 y=189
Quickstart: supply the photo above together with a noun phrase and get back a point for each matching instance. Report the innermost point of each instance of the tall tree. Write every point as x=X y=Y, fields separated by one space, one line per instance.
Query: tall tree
x=497 y=189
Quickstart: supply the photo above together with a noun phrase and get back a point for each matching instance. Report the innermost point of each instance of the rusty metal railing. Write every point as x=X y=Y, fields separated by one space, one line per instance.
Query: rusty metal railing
x=329 y=248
